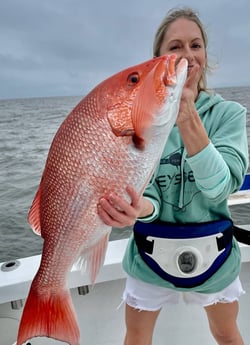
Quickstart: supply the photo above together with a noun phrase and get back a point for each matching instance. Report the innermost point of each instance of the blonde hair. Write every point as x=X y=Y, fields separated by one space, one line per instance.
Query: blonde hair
x=171 y=16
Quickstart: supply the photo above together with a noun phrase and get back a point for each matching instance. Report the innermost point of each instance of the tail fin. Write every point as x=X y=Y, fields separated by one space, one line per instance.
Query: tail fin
x=50 y=315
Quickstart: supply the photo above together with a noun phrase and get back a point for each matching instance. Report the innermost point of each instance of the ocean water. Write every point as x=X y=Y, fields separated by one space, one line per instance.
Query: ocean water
x=27 y=127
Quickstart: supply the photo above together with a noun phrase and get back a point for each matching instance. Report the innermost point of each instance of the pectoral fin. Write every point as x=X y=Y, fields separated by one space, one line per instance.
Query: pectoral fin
x=34 y=213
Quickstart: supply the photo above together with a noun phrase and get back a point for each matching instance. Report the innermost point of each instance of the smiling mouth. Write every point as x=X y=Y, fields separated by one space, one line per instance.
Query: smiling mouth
x=189 y=69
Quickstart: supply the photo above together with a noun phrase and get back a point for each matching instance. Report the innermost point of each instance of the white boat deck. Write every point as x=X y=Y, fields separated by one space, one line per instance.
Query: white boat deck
x=100 y=320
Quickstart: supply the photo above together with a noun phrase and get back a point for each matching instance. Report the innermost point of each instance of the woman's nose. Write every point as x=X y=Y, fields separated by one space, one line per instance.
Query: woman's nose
x=188 y=54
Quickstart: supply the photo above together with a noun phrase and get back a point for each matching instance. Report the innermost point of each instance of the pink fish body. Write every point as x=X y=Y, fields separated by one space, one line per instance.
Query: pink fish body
x=113 y=138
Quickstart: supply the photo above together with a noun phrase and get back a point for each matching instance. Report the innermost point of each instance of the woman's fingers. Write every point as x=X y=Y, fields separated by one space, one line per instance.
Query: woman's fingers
x=118 y=212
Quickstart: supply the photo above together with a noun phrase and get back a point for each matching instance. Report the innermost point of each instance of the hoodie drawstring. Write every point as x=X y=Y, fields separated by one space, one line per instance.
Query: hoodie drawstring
x=181 y=199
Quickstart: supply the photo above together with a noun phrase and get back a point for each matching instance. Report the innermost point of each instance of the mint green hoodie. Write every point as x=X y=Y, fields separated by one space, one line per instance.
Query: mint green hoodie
x=195 y=189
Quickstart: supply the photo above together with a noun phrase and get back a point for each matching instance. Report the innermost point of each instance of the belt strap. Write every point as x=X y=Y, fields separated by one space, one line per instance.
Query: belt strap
x=147 y=246
x=225 y=239
x=143 y=243
x=241 y=235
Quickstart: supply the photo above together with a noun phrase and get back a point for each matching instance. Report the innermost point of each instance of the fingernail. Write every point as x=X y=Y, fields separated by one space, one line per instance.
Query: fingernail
x=111 y=198
x=99 y=205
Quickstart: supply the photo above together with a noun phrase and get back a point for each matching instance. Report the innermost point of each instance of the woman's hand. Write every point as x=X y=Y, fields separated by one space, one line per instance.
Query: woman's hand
x=189 y=95
x=119 y=213
x=191 y=128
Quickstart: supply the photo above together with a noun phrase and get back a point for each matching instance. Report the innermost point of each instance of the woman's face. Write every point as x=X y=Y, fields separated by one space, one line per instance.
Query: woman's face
x=183 y=38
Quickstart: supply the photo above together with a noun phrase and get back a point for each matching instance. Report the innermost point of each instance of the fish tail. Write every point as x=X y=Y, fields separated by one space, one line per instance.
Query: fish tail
x=49 y=315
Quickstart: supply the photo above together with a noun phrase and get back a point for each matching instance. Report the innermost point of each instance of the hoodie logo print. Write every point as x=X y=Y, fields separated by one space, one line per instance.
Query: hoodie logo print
x=178 y=183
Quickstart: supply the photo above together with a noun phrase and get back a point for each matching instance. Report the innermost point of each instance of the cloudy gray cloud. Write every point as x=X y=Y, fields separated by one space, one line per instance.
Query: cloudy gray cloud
x=65 y=47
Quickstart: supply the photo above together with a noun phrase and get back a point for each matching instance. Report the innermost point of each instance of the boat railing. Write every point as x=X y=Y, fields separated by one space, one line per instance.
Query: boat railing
x=17 y=275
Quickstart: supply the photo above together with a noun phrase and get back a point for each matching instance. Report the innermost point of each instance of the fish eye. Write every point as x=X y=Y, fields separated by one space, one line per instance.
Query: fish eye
x=133 y=78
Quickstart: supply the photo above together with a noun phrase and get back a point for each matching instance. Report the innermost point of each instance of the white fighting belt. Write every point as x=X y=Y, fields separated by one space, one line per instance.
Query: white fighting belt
x=185 y=258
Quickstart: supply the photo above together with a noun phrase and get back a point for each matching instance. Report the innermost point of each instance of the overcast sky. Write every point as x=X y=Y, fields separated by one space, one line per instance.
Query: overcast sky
x=66 y=47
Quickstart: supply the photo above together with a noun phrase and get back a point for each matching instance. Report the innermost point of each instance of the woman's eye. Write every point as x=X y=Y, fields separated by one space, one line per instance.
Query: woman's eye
x=133 y=78
x=196 y=46
x=174 y=47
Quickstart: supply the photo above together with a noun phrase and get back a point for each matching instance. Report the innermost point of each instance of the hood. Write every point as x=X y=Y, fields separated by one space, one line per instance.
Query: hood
x=205 y=101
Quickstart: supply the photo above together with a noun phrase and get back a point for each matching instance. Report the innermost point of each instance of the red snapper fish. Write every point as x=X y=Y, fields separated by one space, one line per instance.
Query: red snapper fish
x=113 y=138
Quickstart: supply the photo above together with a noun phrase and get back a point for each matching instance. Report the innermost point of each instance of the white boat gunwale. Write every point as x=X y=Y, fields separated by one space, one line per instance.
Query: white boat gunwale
x=15 y=281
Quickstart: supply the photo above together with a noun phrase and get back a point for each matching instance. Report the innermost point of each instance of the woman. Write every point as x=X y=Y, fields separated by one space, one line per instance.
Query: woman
x=204 y=161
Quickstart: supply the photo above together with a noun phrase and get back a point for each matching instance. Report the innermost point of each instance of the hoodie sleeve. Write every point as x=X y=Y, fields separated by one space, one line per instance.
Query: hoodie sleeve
x=153 y=194
x=219 y=168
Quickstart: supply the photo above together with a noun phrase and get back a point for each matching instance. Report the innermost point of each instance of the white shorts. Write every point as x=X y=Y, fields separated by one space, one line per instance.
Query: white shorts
x=144 y=296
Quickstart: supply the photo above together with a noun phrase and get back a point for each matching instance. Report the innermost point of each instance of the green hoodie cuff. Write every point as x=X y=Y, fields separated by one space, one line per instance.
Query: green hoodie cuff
x=155 y=213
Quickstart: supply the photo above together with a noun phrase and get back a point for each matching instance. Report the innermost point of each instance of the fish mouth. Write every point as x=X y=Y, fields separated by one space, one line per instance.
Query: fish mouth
x=175 y=90
x=182 y=70
x=174 y=82
x=175 y=71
